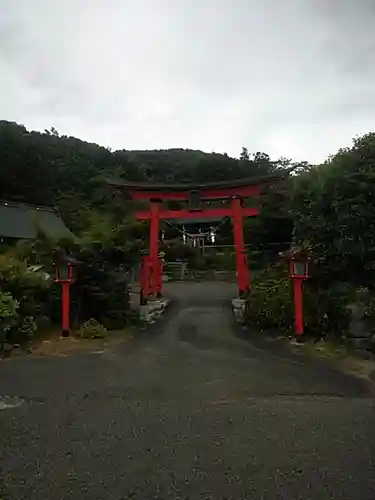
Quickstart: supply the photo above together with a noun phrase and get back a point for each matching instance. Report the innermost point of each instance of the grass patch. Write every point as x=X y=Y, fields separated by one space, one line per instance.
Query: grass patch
x=55 y=345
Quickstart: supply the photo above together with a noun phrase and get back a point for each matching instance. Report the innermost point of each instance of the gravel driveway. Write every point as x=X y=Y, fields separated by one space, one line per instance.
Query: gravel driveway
x=189 y=410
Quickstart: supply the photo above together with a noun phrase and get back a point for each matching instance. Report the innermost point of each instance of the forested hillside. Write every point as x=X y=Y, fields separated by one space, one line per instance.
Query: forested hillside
x=52 y=170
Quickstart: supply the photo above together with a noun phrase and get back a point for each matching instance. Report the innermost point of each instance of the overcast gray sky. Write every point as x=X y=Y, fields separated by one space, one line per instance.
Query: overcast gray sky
x=291 y=78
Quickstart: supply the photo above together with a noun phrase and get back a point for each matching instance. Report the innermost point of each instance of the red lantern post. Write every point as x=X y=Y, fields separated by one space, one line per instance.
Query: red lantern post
x=298 y=274
x=65 y=275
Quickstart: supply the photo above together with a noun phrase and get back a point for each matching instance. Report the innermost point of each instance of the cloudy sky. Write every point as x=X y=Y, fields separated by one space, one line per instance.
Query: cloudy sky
x=292 y=78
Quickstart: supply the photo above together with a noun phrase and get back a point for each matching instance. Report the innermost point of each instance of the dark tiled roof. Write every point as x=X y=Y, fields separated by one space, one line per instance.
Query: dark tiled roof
x=21 y=221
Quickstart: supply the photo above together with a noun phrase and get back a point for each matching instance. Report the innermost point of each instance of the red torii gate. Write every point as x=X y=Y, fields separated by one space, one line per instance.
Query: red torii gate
x=195 y=195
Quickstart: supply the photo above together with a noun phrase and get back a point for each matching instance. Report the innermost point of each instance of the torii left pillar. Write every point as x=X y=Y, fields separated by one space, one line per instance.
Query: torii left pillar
x=243 y=278
x=154 y=246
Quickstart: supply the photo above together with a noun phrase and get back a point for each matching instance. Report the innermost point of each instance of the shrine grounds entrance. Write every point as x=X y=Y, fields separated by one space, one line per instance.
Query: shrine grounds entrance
x=195 y=201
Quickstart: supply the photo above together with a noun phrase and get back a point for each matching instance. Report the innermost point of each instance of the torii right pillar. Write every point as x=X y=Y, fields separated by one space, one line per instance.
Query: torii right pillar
x=243 y=275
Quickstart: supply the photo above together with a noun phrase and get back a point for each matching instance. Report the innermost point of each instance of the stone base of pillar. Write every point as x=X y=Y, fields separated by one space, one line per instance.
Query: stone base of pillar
x=239 y=307
x=152 y=310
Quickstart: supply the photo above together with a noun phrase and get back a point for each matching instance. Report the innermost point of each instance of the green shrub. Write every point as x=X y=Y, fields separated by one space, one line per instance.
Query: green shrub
x=32 y=291
x=100 y=291
x=8 y=315
x=366 y=298
x=92 y=329
x=270 y=304
x=219 y=261
x=26 y=329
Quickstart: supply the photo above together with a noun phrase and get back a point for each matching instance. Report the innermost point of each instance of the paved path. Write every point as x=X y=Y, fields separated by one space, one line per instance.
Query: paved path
x=189 y=411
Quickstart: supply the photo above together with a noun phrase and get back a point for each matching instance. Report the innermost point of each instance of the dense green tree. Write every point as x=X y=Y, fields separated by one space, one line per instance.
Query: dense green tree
x=244 y=156
x=333 y=206
x=49 y=169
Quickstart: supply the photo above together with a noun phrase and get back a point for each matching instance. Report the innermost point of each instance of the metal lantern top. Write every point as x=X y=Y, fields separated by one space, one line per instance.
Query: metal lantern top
x=66 y=269
x=299 y=267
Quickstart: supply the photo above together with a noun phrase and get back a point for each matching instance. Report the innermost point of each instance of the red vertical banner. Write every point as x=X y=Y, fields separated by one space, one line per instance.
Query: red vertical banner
x=298 y=305
x=154 y=244
x=243 y=277
x=65 y=312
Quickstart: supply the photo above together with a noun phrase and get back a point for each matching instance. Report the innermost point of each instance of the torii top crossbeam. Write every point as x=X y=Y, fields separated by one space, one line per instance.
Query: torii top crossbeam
x=222 y=190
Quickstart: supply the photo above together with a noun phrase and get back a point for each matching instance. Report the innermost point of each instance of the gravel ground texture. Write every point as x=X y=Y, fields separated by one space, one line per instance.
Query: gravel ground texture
x=191 y=409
